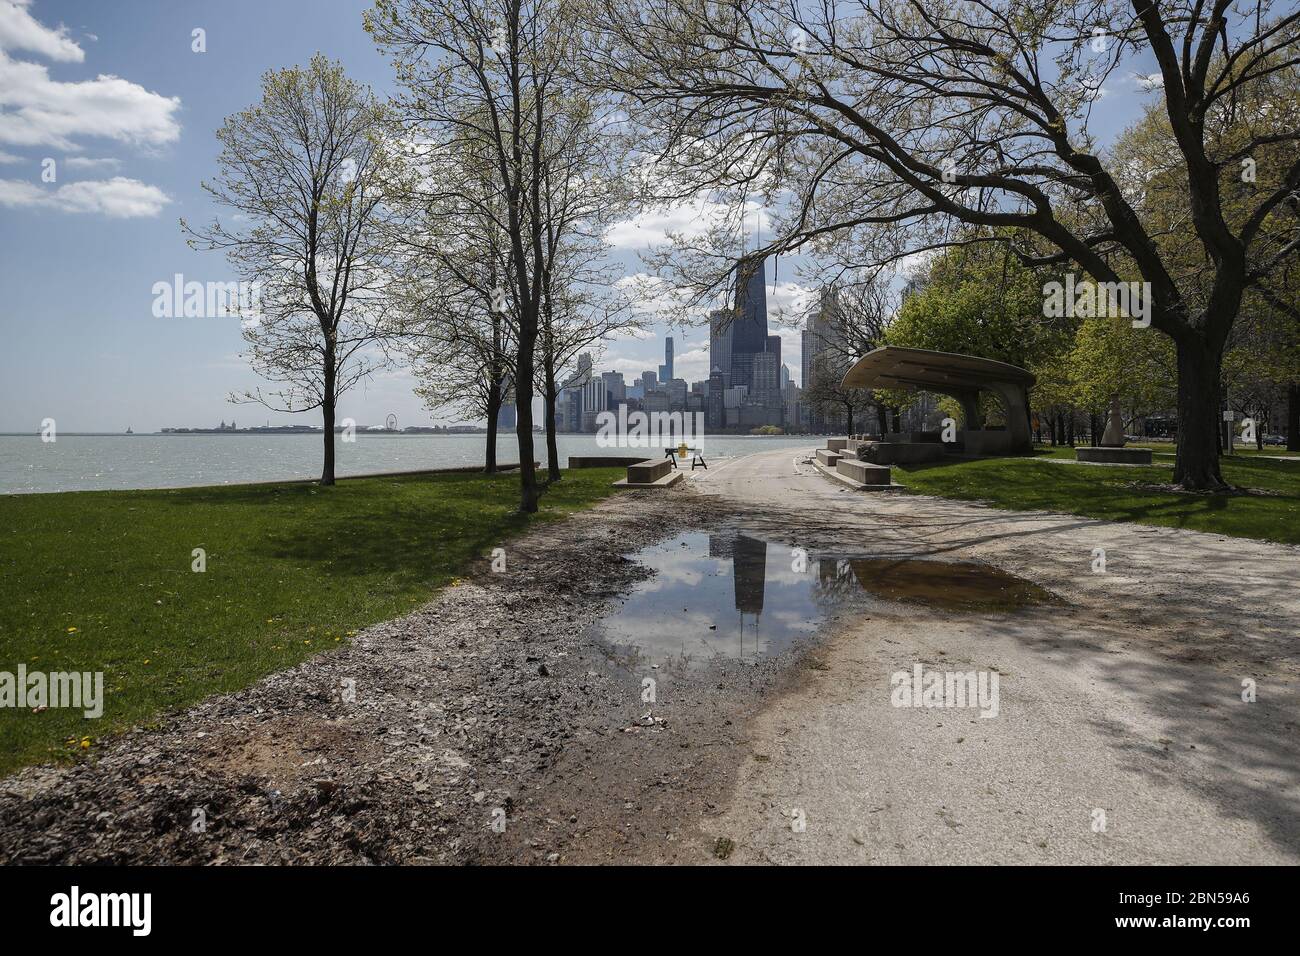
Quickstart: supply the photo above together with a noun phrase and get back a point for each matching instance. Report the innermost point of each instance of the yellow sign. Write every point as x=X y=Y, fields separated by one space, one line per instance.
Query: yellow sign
x=682 y=450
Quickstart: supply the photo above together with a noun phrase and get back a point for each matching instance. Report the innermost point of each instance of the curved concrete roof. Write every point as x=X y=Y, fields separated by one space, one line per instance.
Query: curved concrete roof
x=892 y=366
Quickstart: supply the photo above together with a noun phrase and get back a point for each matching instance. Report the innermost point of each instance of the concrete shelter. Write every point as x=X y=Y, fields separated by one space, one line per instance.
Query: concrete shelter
x=963 y=377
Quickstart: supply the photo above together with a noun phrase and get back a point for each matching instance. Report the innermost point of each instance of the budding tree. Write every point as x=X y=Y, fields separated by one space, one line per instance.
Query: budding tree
x=487 y=78
x=455 y=321
x=301 y=173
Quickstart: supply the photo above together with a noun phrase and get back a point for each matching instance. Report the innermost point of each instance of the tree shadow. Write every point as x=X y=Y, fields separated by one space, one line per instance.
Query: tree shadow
x=1186 y=678
x=407 y=537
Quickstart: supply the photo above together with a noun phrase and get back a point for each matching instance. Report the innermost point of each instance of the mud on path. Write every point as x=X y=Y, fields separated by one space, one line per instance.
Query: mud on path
x=486 y=705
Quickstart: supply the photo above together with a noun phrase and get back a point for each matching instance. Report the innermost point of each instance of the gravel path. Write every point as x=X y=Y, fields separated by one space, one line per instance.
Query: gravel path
x=1126 y=703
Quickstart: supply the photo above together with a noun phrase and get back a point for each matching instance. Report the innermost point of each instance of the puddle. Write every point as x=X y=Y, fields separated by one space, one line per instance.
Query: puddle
x=731 y=595
x=949 y=585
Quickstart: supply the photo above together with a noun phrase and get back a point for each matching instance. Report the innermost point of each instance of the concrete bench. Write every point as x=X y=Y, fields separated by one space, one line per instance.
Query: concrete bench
x=836 y=444
x=596 y=461
x=1115 y=456
x=901 y=453
x=651 y=470
x=828 y=457
x=863 y=471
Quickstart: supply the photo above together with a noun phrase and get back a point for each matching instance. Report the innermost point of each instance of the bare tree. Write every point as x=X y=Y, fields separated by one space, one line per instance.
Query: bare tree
x=461 y=353
x=826 y=391
x=483 y=79
x=455 y=322
x=847 y=323
x=895 y=123
x=301 y=173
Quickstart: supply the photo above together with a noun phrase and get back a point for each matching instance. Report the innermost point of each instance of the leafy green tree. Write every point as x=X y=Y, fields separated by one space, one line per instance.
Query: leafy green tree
x=1110 y=358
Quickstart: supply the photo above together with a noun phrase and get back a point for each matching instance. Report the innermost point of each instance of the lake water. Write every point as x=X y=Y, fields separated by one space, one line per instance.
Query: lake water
x=102 y=462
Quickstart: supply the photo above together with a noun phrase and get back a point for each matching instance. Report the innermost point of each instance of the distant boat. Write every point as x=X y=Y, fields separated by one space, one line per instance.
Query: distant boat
x=128 y=430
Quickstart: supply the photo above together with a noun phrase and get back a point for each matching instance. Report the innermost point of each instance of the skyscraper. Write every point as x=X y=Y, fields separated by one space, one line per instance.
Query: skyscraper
x=744 y=359
x=720 y=345
x=750 y=328
x=666 y=370
x=748 y=323
x=822 y=351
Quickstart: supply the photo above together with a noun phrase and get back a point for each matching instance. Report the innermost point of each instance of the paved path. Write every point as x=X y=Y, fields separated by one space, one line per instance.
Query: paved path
x=1126 y=703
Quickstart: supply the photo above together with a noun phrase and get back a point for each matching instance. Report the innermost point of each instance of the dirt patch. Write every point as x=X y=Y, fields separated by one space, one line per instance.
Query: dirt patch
x=485 y=727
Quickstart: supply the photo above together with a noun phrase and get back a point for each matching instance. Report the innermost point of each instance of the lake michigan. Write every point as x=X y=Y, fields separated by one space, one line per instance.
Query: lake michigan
x=103 y=462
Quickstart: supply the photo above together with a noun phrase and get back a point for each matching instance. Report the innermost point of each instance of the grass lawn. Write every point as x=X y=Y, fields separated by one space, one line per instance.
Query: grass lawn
x=1034 y=483
x=102 y=581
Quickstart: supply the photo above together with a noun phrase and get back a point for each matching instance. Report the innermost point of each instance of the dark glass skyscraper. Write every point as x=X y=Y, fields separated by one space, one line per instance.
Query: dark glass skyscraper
x=748 y=324
x=749 y=332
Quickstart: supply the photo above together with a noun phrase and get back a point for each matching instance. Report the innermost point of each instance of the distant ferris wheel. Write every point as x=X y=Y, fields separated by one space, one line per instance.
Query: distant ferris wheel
x=391 y=423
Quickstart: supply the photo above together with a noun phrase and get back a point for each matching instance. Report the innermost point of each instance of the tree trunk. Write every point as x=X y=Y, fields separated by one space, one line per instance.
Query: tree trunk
x=327 y=415
x=881 y=422
x=898 y=424
x=552 y=446
x=494 y=403
x=1196 y=467
x=848 y=412
x=524 y=416
x=1293 y=417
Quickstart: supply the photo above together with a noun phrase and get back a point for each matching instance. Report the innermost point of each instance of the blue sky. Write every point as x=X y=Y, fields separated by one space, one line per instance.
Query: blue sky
x=114 y=94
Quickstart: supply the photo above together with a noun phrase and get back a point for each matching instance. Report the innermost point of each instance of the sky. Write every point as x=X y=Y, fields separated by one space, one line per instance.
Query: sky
x=107 y=123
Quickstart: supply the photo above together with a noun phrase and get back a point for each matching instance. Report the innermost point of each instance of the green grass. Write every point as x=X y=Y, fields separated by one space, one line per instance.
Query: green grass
x=1032 y=483
x=102 y=581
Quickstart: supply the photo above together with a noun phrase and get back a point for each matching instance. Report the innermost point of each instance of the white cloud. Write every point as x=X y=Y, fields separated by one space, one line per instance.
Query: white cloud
x=787 y=302
x=692 y=365
x=85 y=162
x=117 y=198
x=1149 y=81
x=15 y=192
x=656 y=299
x=20 y=31
x=36 y=110
x=691 y=219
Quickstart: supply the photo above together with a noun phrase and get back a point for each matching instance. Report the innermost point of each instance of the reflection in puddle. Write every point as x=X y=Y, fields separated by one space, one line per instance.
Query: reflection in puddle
x=735 y=596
